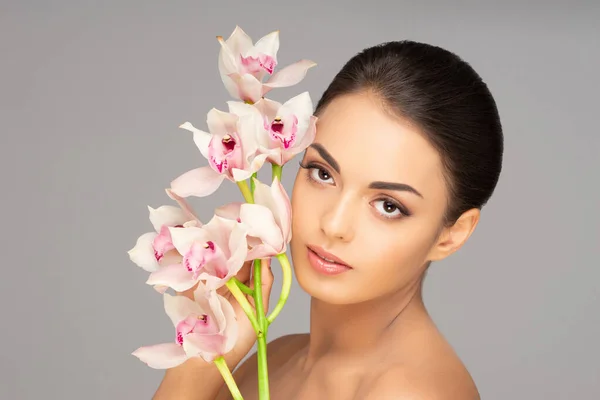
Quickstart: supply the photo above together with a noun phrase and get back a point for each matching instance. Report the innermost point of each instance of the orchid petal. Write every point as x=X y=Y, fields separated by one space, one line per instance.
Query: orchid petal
x=221 y=123
x=261 y=223
x=262 y=251
x=229 y=211
x=183 y=238
x=160 y=289
x=161 y=356
x=249 y=88
x=175 y=276
x=166 y=215
x=227 y=61
x=231 y=325
x=288 y=76
x=206 y=346
x=142 y=254
x=302 y=107
x=179 y=307
x=187 y=209
x=201 y=138
x=238 y=248
x=269 y=44
x=241 y=109
x=283 y=208
x=239 y=42
x=198 y=182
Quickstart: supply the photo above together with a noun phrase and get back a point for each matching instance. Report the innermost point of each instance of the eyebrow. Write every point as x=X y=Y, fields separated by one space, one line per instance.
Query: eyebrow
x=326 y=156
x=401 y=187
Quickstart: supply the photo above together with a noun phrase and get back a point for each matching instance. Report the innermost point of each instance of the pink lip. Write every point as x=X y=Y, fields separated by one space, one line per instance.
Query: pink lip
x=315 y=257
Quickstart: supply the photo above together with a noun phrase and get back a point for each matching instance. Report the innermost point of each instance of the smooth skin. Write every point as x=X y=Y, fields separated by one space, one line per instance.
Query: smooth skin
x=370 y=334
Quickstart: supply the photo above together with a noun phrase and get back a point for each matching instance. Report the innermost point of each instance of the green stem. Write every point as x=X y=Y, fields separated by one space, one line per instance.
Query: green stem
x=245 y=289
x=243 y=185
x=252 y=185
x=228 y=378
x=285 y=286
x=239 y=296
x=276 y=171
x=263 y=372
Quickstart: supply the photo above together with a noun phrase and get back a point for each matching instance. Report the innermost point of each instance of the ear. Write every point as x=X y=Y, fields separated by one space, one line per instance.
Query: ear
x=453 y=237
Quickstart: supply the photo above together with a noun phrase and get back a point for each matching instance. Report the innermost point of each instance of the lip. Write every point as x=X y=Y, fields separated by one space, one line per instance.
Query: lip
x=316 y=257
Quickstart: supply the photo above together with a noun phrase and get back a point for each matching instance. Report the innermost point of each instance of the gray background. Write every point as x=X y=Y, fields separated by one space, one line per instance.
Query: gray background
x=91 y=94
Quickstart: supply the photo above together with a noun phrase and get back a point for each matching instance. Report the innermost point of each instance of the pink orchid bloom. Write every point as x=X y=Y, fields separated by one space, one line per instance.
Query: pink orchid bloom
x=231 y=151
x=268 y=220
x=155 y=249
x=243 y=65
x=288 y=128
x=206 y=327
x=212 y=253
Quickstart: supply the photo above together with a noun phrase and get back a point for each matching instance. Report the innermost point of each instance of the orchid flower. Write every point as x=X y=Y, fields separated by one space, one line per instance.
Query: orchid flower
x=206 y=327
x=155 y=249
x=288 y=128
x=243 y=66
x=231 y=151
x=268 y=220
x=212 y=253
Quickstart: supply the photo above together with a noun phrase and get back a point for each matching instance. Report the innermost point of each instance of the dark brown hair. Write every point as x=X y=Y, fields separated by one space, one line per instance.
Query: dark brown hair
x=446 y=99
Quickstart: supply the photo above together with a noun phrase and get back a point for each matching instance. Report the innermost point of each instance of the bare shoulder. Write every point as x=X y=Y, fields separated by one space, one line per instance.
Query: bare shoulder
x=413 y=384
x=278 y=350
x=423 y=366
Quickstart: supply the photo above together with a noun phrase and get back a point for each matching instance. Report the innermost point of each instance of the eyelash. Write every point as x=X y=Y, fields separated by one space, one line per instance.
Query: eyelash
x=310 y=166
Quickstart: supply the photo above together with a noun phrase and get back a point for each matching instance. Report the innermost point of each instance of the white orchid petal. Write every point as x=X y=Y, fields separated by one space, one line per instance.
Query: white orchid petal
x=269 y=44
x=198 y=182
x=166 y=215
x=241 y=109
x=221 y=123
x=142 y=254
x=175 y=276
x=231 y=325
x=161 y=356
x=179 y=307
x=201 y=138
x=183 y=238
x=185 y=206
x=249 y=88
x=239 y=42
x=262 y=224
x=289 y=76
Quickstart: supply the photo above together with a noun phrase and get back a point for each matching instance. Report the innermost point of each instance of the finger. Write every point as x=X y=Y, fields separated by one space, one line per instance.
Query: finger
x=244 y=273
x=266 y=280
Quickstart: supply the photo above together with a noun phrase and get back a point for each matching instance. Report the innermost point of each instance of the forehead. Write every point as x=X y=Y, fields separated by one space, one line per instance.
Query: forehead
x=371 y=145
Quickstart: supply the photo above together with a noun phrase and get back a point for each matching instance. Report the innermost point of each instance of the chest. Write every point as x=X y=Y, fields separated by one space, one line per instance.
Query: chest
x=334 y=382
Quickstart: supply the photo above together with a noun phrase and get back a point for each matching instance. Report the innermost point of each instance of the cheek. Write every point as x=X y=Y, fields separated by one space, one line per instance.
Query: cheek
x=399 y=251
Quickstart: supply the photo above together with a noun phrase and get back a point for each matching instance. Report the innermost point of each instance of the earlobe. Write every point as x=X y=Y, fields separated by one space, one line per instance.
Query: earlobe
x=454 y=237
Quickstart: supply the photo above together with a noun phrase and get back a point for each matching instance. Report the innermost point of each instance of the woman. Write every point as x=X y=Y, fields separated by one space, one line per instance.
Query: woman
x=408 y=150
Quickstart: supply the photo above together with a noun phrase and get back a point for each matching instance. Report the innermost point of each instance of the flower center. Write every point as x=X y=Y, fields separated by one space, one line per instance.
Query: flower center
x=228 y=143
x=190 y=325
x=284 y=132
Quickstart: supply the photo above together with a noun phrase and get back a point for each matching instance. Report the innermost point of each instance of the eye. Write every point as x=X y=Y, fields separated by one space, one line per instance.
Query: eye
x=389 y=209
x=320 y=175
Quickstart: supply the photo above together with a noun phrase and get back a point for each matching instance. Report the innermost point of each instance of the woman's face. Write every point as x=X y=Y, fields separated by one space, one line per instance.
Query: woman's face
x=373 y=195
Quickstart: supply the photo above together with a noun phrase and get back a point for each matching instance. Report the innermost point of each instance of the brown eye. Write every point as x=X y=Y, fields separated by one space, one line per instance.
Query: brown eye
x=388 y=209
x=320 y=175
x=323 y=175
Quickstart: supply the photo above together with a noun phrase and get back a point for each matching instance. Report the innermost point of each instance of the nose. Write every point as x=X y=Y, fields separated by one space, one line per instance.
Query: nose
x=337 y=223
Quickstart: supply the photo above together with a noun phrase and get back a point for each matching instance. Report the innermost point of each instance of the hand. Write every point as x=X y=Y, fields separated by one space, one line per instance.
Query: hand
x=246 y=333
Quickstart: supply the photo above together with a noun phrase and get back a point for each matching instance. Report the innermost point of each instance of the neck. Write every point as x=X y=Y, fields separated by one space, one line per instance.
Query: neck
x=362 y=328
